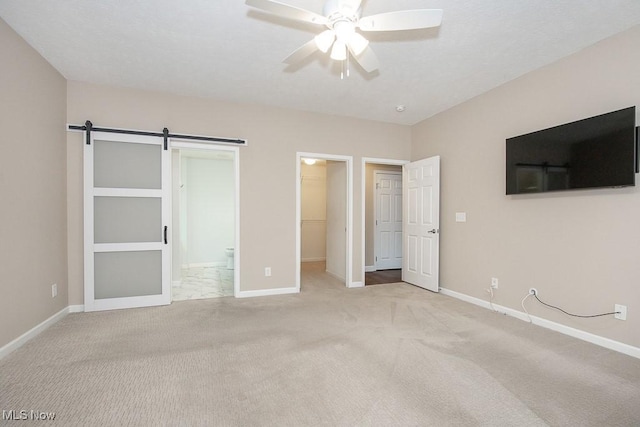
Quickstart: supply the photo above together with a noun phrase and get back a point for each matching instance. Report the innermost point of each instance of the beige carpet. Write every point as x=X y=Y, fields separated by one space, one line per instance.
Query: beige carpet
x=387 y=355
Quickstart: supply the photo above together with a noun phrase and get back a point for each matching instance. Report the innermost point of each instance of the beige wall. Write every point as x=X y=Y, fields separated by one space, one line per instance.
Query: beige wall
x=369 y=214
x=267 y=166
x=580 y=249
x=33 y=221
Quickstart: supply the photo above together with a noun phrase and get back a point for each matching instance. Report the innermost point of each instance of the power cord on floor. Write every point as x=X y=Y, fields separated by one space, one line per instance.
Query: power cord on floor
x=571 y=314
x=533 y=292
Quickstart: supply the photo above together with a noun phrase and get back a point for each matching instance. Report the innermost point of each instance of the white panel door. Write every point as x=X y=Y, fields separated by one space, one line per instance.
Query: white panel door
x=388 y=221
x=126 y=216
x=421 y=221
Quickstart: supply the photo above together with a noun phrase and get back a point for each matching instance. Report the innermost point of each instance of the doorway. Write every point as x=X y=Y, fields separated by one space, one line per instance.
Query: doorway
x=323 y=216
x=129 y=232
x=382 y=202
x=205 y=216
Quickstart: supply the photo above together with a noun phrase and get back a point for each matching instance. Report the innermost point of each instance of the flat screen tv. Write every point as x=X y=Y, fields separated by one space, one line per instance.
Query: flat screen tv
x=591 y=153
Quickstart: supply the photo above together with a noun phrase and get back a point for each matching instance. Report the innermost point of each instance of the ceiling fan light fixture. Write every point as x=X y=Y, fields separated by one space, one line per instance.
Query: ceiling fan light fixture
x=344 y=30
x=357 y=44
x=344 y=23
x=324 y=40
x=339 y=51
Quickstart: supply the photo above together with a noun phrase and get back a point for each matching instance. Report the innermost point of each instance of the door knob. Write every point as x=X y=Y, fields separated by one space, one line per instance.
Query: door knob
x=434 y=231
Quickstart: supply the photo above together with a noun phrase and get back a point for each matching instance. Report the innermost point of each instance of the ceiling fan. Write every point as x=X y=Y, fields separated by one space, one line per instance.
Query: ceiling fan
x=342 y=19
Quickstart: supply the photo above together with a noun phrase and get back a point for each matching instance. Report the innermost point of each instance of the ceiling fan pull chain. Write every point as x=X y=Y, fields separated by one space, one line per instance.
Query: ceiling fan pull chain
x=343 y=66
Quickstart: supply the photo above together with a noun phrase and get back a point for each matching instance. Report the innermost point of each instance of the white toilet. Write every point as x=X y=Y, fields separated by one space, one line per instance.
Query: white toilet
x=229 y=252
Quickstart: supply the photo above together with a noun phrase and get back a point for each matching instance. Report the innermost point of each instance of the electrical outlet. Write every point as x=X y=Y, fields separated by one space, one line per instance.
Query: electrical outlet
x=494 y=283
x=621 y=312
x=533 y=291
x=54 y=290
x=267 y=271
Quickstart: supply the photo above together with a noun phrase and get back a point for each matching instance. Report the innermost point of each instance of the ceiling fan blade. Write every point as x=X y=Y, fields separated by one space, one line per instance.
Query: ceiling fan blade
x=367 y=60
x=402 y=20
x=287 y=11
x=302 y=52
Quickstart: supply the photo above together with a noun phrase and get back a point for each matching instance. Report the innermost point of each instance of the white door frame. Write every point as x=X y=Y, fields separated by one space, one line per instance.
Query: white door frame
x=349 y=235
x=377 y=172
x=190 y=145
x=363 y=181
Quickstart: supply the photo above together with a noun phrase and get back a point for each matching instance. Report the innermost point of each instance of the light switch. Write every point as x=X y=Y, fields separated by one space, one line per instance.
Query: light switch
x=461 y=217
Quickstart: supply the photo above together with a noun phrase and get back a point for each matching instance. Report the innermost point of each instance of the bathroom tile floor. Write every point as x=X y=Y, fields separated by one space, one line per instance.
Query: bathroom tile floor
x=203 y=282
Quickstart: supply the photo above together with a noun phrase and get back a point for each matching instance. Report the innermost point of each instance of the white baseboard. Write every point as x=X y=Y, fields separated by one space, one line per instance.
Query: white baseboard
x=627 y=349
x=316 y=259
x=22 y=339
x=267 y=292
x=356 y=285
x=76 y=308
x=370 y=268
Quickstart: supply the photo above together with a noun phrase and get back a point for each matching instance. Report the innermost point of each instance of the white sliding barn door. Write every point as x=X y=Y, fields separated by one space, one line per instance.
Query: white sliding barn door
x=126 y=214
x=421 y=222
x=388 y=230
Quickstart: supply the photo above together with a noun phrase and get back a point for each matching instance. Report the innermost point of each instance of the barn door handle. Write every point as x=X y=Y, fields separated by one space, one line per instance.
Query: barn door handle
x=165 y=234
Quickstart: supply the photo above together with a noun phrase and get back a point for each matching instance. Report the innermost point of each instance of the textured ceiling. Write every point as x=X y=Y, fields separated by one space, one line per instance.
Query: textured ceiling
x=225 y=50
